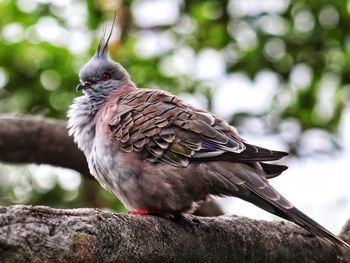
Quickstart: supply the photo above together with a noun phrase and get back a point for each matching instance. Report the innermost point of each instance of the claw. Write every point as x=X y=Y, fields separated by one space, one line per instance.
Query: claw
x=152 y=211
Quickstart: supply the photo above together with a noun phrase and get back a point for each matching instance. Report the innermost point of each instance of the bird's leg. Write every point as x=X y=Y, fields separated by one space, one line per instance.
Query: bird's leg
x=152 y=211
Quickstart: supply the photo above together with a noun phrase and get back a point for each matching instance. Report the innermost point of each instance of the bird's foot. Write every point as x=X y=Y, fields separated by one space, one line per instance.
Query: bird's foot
x=152 y=211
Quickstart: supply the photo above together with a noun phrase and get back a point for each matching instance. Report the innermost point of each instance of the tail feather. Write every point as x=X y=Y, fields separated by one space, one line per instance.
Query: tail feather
x=272 y=170
x=309 y=224
x=295 y=215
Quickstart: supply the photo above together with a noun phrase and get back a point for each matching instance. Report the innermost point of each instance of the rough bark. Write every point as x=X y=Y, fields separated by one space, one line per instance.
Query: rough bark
x=41 y=141
x=42 y=234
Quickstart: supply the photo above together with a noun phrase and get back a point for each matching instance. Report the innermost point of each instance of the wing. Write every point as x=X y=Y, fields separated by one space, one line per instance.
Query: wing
x=165 y=129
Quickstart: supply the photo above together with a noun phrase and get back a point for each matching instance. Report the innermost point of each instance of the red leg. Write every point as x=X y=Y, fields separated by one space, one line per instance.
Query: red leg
x=152 y=211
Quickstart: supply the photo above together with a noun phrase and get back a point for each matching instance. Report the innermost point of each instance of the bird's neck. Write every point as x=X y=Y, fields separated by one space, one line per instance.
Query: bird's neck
x=82 y=113
x=81 y=122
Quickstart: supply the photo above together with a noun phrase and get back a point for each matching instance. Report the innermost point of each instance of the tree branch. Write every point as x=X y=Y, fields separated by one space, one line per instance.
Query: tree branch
x=42 y=234
x=41 y=141
x=53 y=235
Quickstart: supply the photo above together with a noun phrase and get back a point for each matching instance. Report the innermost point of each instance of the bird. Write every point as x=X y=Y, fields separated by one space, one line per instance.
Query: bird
x=161 y=155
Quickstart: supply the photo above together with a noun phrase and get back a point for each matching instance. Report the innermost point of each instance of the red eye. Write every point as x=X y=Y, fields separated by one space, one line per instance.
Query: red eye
x=105 y=76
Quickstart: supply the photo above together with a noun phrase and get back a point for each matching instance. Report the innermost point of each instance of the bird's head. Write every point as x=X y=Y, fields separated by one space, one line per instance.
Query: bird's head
x=101 y=75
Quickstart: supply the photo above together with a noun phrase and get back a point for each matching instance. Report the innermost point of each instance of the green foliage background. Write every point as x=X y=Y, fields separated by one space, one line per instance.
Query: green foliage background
x=40 y=76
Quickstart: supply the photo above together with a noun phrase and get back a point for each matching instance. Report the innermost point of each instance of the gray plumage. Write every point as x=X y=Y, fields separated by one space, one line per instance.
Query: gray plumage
x=154 y=151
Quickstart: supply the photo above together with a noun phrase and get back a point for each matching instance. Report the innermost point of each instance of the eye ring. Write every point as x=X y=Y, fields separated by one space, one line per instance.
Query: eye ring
x=105 y=76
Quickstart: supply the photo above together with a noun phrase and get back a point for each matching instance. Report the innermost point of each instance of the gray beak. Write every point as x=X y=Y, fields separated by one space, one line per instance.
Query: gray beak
x=83 y=86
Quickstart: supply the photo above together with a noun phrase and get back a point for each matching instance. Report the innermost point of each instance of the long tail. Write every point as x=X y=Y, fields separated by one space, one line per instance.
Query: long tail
x=295 y=215
x=298 y=217
x=240 y=177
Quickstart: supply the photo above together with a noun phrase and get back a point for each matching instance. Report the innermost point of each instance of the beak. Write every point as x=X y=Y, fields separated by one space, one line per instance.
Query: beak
x=80 y=87
x=83 y=86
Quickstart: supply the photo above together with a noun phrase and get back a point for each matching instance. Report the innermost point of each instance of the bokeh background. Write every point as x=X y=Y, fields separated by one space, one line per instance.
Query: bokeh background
x=278 y=70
